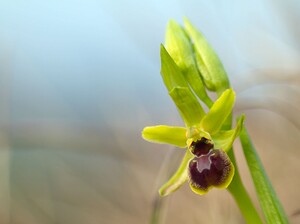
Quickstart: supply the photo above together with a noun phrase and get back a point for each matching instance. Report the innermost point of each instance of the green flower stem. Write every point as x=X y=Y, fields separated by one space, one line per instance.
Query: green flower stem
x=241 y=197
x=270 y=204
x=237 y=188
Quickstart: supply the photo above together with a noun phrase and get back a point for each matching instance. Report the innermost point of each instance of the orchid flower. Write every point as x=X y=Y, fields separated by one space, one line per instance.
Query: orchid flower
x=205 y=164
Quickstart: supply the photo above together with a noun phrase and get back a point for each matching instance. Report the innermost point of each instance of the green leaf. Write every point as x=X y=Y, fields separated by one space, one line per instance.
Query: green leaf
x=268 y=200
x=180 y=49
x=188 y=105
x=218 y=113
x=224 y=139
x=166 y=135
x=179 y=177
x=209 y=64
x=170 y=72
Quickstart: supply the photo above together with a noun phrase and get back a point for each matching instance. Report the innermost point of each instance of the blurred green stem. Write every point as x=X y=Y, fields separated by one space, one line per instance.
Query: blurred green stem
x=157 y=210
x=237 y=188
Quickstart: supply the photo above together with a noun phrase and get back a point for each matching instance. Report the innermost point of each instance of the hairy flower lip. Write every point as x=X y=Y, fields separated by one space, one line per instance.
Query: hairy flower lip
x=213 y=169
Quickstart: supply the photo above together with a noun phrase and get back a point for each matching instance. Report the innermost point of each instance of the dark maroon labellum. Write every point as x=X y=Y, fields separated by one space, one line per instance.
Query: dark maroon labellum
x=211 y=169
x=201 y=147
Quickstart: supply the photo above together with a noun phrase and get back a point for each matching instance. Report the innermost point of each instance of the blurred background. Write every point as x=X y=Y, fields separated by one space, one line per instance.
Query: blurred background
x=80 y=79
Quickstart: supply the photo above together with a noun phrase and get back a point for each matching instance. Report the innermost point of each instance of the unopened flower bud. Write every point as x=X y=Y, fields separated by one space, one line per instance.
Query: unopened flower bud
x=180 y=49
x=208 y=62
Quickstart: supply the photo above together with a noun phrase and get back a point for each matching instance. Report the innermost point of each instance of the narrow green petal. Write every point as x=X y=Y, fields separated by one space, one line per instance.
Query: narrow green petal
x=224 y=139
x=187 y=104
x=180 y=49
x=209 y=64
x=166 y=135
x=179 y=177
x=218 y=113
x=170 y=72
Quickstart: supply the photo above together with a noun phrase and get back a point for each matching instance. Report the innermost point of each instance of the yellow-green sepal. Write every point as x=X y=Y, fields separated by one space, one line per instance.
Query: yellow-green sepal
x=165 y=135
x=224 y=139
x=214 y=119
x=209 y=64
x=179 y=177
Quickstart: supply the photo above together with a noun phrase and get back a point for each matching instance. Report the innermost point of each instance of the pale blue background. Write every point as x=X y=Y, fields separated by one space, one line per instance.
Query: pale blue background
x=80 y=79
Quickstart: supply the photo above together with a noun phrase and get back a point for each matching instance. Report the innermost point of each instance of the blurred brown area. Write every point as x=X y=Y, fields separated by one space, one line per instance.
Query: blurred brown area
x=71 y=113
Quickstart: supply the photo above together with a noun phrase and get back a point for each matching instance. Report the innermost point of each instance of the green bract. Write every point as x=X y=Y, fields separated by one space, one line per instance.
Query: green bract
x=179 y=90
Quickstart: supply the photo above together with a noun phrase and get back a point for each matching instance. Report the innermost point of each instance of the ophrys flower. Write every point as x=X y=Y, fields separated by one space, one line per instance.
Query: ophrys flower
x=206 y=136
